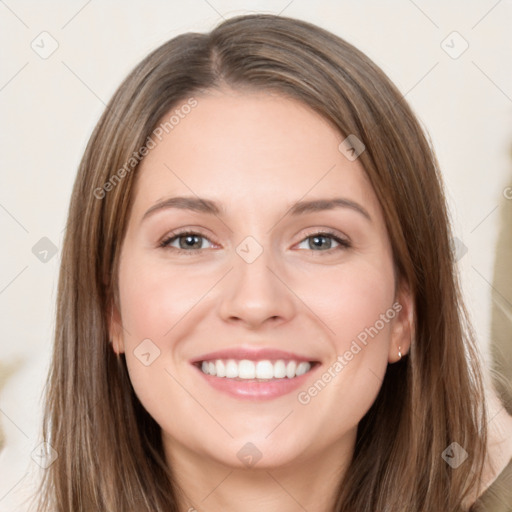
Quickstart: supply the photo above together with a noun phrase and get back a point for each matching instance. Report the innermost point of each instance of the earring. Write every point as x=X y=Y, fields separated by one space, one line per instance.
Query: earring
x=399 y=353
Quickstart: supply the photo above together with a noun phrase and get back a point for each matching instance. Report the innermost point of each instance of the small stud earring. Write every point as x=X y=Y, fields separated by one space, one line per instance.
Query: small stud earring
x=399 y=353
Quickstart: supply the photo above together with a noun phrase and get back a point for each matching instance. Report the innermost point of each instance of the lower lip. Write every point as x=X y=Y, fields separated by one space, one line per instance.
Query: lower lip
x=252 y=389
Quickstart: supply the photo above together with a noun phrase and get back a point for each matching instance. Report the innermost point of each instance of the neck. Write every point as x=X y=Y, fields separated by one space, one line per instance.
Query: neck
x=306 y=483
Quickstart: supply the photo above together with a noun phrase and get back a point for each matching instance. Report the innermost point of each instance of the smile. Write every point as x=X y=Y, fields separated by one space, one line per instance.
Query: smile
x=249 y=373
x=246 y=369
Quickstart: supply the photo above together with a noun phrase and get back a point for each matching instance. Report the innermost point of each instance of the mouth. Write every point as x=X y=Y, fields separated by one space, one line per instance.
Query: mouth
x=255 y=374
x=260 y=370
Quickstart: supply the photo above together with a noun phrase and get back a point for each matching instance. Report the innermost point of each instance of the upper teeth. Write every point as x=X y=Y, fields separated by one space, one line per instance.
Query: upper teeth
x=246 y=369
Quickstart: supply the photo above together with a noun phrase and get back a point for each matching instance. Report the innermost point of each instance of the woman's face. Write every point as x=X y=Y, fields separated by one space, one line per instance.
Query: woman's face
x=270 y=282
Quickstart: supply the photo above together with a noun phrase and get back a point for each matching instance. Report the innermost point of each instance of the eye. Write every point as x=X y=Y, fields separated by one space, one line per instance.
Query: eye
x=191 y=242
x=317 y=241
x=188 y=242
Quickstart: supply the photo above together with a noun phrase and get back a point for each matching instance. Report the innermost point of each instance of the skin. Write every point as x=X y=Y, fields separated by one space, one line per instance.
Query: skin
x=256 y=154
x=500 y=439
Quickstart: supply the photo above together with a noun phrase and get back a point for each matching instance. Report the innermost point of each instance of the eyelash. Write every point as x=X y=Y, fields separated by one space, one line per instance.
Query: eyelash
x=343 y=244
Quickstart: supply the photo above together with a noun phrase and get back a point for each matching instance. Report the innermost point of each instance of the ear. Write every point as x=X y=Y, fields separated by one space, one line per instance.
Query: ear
x=402 y=325
x=115 y=329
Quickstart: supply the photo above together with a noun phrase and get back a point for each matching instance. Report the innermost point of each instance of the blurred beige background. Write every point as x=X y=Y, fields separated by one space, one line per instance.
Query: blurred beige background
x=63 y=60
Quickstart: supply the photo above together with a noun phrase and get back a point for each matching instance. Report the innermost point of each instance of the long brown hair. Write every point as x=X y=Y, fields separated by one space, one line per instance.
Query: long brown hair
x=110 y=454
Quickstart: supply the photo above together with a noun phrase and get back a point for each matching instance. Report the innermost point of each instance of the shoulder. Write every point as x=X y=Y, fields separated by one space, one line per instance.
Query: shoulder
x=496 y=492
x=498 y=496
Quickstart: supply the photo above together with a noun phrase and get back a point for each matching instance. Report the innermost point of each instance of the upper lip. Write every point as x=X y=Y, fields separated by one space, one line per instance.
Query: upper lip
x=252 y=354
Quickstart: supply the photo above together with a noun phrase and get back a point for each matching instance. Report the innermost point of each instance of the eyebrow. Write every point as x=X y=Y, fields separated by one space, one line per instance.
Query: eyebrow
x=202 y=205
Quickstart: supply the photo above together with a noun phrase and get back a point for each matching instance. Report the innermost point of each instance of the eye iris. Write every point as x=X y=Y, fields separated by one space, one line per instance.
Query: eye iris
x=190 y=238
x=317 y=240
x=194 y=241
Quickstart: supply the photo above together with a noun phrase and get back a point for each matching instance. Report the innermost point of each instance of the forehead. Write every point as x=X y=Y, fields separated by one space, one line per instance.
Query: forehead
x=253 y=149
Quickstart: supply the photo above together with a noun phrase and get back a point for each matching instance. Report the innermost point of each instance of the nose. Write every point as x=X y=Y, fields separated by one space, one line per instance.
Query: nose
x=256 y=293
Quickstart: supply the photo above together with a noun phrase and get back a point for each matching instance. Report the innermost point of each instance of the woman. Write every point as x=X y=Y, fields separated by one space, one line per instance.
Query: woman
x=205 y=355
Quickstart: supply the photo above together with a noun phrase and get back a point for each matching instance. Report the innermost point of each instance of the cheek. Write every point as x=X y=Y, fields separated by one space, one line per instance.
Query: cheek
x=155 y=297
x=152 y=305
x=359 y=313
x=158 y=304
x=362 y=302
x=353 y=298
